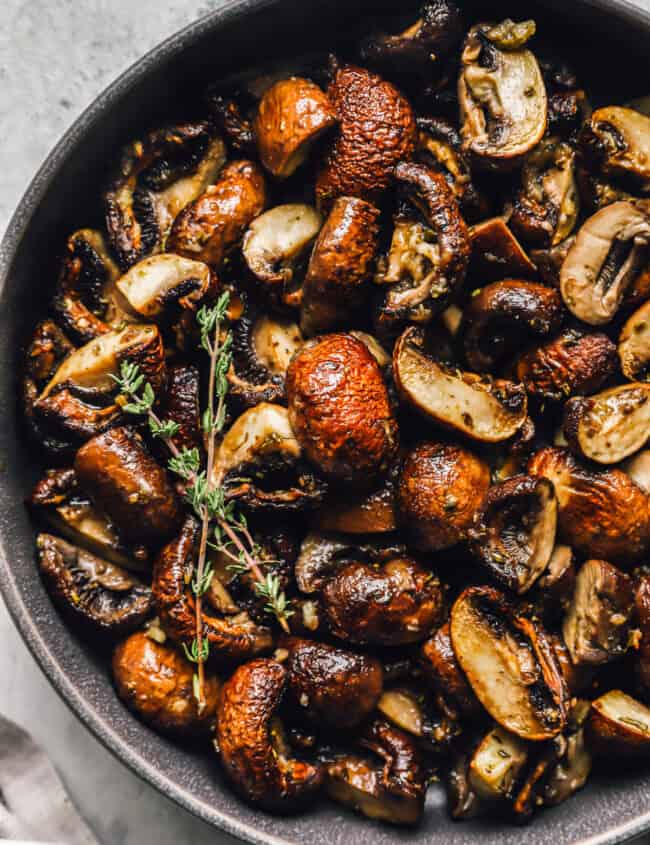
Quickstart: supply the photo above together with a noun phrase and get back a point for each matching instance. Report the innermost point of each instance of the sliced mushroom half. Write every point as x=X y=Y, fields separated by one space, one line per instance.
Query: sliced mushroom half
x=155 y=284
x=497 y=254
x=619 y=725
x=617 y=140
x=634 y=345
x=496 y=764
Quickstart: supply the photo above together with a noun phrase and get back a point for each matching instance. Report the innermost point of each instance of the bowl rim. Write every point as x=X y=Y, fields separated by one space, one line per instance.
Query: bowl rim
x=17 y=226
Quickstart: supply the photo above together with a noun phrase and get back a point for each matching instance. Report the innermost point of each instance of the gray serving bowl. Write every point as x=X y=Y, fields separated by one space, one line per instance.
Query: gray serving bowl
x=607 y=40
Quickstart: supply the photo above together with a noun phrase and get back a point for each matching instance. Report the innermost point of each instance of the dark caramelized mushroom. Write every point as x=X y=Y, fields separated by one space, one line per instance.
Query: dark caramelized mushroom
x=440 y=668
x=514 y=535
x=156 y=682
x=292 y=115
x=340 y=265
x=252 y=747
x=619 y=726
x=129 y=486
x=100 y=596
x=597 y=625
x=439 y=147
x=376 y=131
x=340 y=410
x=483 y=409
x=441 y=489
x=397 y=603
x=509 y=663
x=502 y=315
x=332 y=685
x=181 y=405
x=634 y=345
x=496 y=253
x=231 y=119
x=361 y=511
x=602 y=513
x=642 y=619
x=615 y=141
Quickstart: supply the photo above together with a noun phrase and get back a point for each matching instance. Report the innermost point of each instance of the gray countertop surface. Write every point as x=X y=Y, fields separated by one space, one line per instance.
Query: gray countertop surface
x=55 y=57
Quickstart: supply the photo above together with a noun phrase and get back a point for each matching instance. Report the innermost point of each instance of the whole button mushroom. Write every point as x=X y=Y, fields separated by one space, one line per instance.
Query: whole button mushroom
x=340 y=410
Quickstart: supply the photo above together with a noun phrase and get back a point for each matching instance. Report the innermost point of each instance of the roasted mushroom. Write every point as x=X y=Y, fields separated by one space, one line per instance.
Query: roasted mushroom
x=602 y=513
x=181 y=405
x=361 y=511
x=509 y=663
x=634 y=345
x=497 y=764
x=441 y=669
x=609 y=251
x=619 y=726
x=340 y=410
x=514 y=535
x=407 y=708
x=439 y=147
x=501 y=94
x=340 y=265
x=101 y=597
x=376 y=131
x=597 y=625
x=292 y=115
x=477 y=406
x=440 y=491
x=397 y=603
x=642 y=619
x=615 y=141
x=157 y=178
x=155 y=681
x=501 y=316
x=252 y=747
x=496 y=254
x=154 y=284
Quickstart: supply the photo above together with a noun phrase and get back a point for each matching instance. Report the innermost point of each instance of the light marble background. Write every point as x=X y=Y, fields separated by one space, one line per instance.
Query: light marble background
x=55 y=57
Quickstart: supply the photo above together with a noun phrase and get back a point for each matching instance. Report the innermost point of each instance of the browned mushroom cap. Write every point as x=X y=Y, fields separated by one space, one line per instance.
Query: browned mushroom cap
x=332 y=685
x=361 y=511
x=509 y=663
x=211 y=226
x=376 y=131
x=606 y=256
x=638 y=469
x=391 y=787
x=292 y=115
x=102 y=597
x=501 y=93
x=340 y=410
x=597 y=624
x=427 y=260
x=440 y=667
x=234 y=638
x=642 y=614
x=156 y=681
x=500 y=316
x=497 y=764
x=87 y=302
x=440 y=491
x=129 y=486
x=634 y=345
x=481 y=408
x=619 y=726
x=340 y=265
x=574 y=362
x=514 y=534
x=602 y=513
x=616 y=140
x=157 y=178
x=557 y=582
x=181 y=405
x=252 y=748
x=496 y=253
x=611 y=425
x=395 y=604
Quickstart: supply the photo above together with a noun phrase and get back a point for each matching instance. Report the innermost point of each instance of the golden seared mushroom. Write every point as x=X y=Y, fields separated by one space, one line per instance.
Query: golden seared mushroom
x=497 y=764
x=213 y=225
x=441 y=669
x=361 y=511
x=292 y=115
x=155 y=681
x=602 y=513
x=484 y=409
x=233 y=638
x=274 y=245
x=101 y=597
x=616 y=140
x=340 y=266
x=376 y=131
x=261 y=463
x=619 y=726
x=596 y=627
x=510 y=664
x=87 y=301
x=389 y=787
x=501 y=94
x=440 y=491
x=607 y=255
x=252 y=747
x=611 y=425
x=156 y=179
x=501 y=316
x=496 y=254
x=638 y=469
x=393 y=604
x=331 y=685
x=514 y=535
x=576 y=361
x=634 y=345
x=429 y=250
x=340 y=410
x=129 y=486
